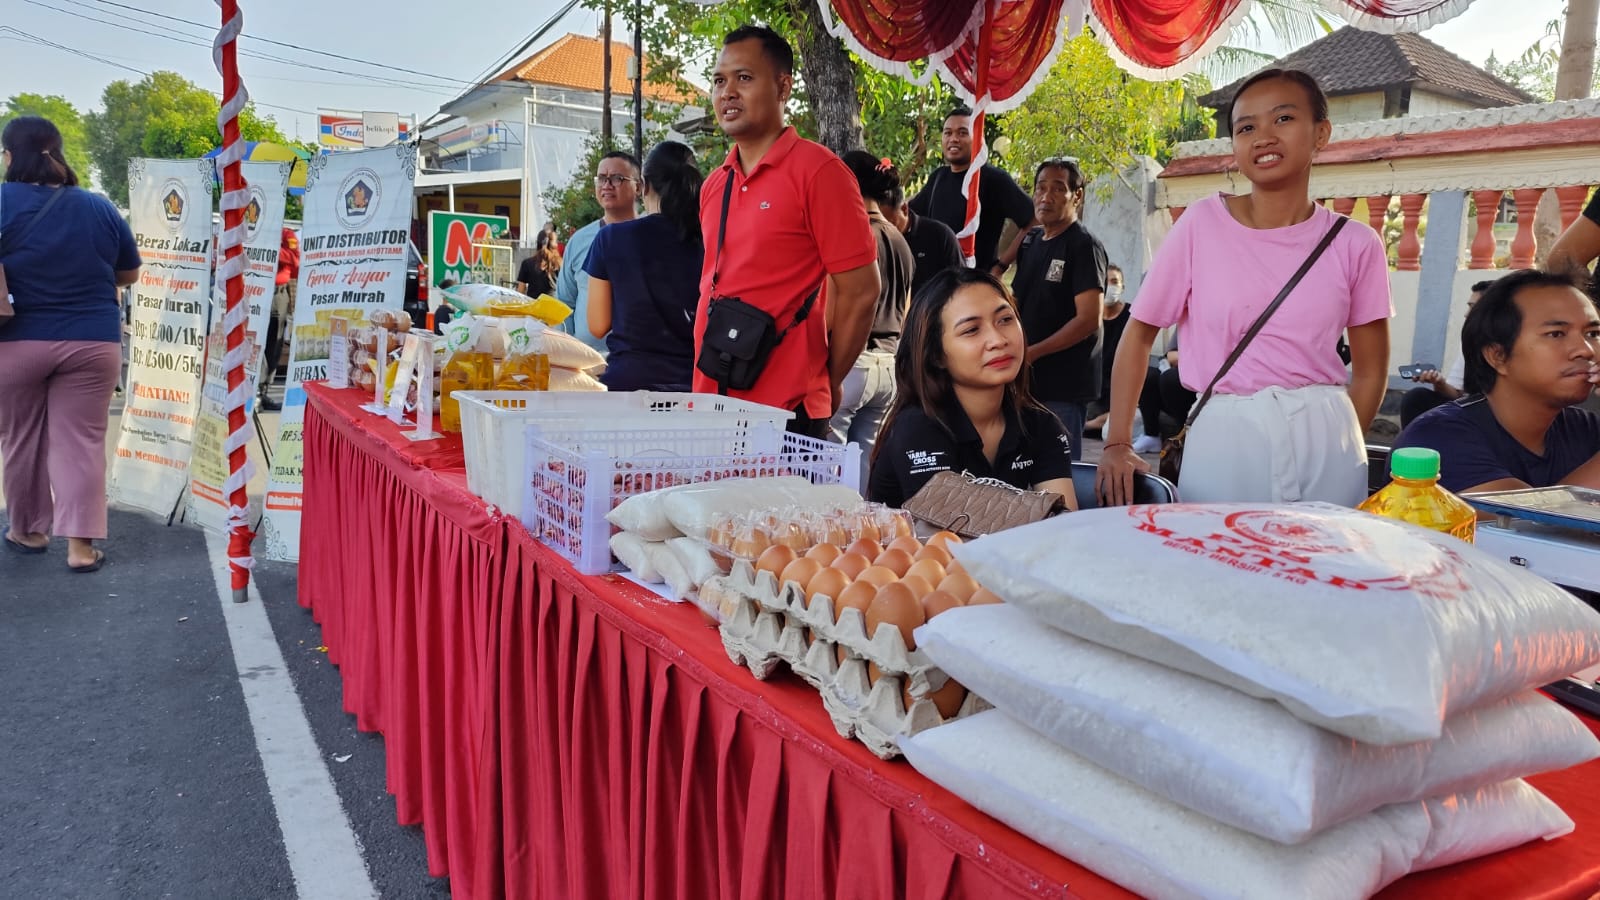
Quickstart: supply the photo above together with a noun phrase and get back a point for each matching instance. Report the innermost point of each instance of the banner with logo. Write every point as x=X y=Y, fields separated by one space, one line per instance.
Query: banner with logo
x=169 y=210
x=352 y=261
x=339 y=131
x=263 y=220
x=459 y=247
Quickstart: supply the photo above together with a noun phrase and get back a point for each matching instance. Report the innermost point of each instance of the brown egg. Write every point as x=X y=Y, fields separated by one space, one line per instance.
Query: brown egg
x=836 y=533
x=919 y=586
x=982 y=597
x=947 y=700
x=909 y=544
x=936 y=602
x=873 y=672
x=719 y=535
x=897 y=560
x=895 y=605
x=828 y=583
x=869 y=531
x=959 y=585
x=902 y=526
x=857 y=596
x=866 y=548
x=851 y=564
x=792 y=536
x=938 y=554
x=751 y=544
x=800 y=571
x=878 y=575
x=824 y=553
x=929 y=570
x=775 y=559
x=944 y=539
x=954 y=565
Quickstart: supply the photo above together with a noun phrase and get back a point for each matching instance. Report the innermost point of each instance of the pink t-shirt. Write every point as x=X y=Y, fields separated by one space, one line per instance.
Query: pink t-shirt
x=1213 y=276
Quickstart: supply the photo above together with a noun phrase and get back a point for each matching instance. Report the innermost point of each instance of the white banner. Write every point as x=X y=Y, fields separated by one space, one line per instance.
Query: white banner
x=169 y=210
x=352 y=261
x=263 y=220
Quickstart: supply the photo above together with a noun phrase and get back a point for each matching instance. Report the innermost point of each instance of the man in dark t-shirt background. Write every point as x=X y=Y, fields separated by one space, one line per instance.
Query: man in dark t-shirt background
x=933 y=245
x=1531 y=343
x=941 y=198
x=1060 y=288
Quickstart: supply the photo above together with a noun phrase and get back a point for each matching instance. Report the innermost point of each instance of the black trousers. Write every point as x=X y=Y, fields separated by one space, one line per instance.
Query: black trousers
x=1164 y=393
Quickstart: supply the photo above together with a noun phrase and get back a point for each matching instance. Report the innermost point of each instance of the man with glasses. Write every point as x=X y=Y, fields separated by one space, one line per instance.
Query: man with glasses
x=616 y=186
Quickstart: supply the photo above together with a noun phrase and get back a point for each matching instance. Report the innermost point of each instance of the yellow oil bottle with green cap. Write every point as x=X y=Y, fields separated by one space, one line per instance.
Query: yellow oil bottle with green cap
x=1414 y=496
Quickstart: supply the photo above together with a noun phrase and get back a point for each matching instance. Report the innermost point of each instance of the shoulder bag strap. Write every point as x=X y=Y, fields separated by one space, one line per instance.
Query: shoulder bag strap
x=25 y=226
x=716 y=267
x=1261 y=320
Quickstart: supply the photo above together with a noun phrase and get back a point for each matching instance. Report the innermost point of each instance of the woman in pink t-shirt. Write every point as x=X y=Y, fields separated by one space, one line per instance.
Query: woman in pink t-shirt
x=1286 y=423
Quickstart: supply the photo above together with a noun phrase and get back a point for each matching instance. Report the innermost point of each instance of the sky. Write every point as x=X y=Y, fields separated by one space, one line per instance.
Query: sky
x=371 y=41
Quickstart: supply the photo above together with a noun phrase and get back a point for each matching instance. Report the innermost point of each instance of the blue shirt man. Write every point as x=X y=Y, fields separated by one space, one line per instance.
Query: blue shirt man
x=616 y=186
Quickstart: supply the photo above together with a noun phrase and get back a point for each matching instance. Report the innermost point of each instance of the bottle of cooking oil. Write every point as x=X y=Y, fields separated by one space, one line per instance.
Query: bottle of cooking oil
x=470 y=367
x=1414 y=496
x=527 y=366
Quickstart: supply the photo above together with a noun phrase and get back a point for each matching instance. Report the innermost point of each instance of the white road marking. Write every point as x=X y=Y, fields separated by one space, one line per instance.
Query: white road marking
x=324 y=855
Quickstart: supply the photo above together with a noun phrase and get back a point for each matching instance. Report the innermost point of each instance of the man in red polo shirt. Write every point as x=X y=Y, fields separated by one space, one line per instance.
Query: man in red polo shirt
x=795 y=221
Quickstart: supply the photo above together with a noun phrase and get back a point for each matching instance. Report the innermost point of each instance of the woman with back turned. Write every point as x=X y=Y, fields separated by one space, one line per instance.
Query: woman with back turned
x=66 y=253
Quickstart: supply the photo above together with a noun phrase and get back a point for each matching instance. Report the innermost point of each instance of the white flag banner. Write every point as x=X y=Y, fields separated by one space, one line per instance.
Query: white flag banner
x=169 y=210
x=358 y=208
x=263 y=219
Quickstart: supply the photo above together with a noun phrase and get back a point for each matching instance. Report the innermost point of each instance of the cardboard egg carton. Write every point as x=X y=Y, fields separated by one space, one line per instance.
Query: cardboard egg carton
x=875 y=713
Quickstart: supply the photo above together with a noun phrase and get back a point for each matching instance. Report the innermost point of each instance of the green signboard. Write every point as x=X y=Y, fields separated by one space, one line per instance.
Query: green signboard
x=469 y=248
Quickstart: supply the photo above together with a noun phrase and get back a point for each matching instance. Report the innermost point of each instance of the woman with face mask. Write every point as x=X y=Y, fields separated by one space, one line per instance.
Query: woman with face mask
x=1114 y=312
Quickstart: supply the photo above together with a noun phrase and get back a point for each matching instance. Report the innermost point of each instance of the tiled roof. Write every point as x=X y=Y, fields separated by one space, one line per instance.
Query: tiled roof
x=1352 y=61
x=578 y=61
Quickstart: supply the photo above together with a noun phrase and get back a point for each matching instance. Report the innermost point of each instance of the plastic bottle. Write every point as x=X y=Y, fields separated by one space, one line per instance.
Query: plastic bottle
x=1414 y=496
x=527 y=366
x=469 y=368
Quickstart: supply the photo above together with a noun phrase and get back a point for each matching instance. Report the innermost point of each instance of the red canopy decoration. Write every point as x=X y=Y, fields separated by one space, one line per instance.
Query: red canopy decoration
x=1158 y=39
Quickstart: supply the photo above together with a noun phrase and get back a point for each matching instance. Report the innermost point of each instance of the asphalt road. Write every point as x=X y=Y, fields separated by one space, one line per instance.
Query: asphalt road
x=129 y=763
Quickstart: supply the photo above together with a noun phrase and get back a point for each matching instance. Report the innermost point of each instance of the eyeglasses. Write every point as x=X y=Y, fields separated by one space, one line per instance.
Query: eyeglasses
x=612 y=180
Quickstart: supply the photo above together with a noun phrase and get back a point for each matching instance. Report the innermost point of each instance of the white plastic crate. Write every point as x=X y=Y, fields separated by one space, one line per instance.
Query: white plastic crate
x=575 y=478
x=492 y=424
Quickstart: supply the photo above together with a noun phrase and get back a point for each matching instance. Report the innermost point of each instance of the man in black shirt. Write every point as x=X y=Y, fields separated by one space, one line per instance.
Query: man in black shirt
x=941 y=198
x=1060 y=286
x=933 y=245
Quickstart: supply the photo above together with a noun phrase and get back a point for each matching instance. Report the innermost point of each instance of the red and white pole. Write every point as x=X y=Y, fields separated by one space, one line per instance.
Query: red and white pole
x=235 y=197
x=967 y=237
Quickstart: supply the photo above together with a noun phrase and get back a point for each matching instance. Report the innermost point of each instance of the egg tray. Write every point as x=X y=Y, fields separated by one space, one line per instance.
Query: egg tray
x=886 y=648
x=760 y=632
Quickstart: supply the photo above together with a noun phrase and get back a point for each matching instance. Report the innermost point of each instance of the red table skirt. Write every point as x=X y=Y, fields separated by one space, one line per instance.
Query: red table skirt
x=564 y=736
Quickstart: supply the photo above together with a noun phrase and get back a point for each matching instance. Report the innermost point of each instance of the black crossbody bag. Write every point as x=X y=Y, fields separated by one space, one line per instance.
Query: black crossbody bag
x=739 y=337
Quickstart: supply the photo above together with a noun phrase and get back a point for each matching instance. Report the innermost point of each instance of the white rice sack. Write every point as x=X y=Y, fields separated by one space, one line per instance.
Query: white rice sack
x=679 y=585
x=1366 y=626
x=1240 y=760
x=645 y=515
x=635 y=552
x=1158 y=849
x=696 y=560
x=567 y=352
x=565 y=379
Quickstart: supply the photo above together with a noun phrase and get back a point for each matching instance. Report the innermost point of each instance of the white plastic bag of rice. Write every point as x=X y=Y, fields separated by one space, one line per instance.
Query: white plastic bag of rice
x=1240 y=760
x=635 y=552
x=1366 y=626
x=1158 y=849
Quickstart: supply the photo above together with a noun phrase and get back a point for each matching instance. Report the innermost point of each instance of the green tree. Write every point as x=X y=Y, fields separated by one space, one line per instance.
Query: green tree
x=162 y=116
x=1089 y=109
x=65 y=116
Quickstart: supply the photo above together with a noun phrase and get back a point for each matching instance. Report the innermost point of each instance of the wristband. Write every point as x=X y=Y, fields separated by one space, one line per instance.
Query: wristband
x=1127 y=444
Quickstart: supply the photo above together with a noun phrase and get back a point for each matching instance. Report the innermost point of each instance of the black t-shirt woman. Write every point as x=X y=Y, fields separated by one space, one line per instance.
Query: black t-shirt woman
x=963 y=403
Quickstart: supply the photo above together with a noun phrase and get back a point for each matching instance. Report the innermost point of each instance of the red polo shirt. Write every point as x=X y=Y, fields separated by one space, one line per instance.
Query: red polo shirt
x=794 y=219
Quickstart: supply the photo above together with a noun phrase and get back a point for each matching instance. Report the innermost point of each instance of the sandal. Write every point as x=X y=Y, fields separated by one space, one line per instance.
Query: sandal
x=99 y=560
x=20 y=547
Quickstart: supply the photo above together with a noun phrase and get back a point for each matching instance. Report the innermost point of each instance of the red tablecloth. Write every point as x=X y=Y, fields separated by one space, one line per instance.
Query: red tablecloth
x=558 y=735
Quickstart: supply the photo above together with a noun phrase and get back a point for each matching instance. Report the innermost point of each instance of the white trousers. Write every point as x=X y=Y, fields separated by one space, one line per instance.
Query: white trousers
x=1276 y=446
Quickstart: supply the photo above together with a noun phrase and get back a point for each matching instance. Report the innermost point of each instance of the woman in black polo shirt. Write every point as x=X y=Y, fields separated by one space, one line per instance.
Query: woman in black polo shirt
x=962 y=401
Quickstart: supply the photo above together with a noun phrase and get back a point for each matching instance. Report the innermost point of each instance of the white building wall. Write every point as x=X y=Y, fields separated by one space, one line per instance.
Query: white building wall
x=1355 y=108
